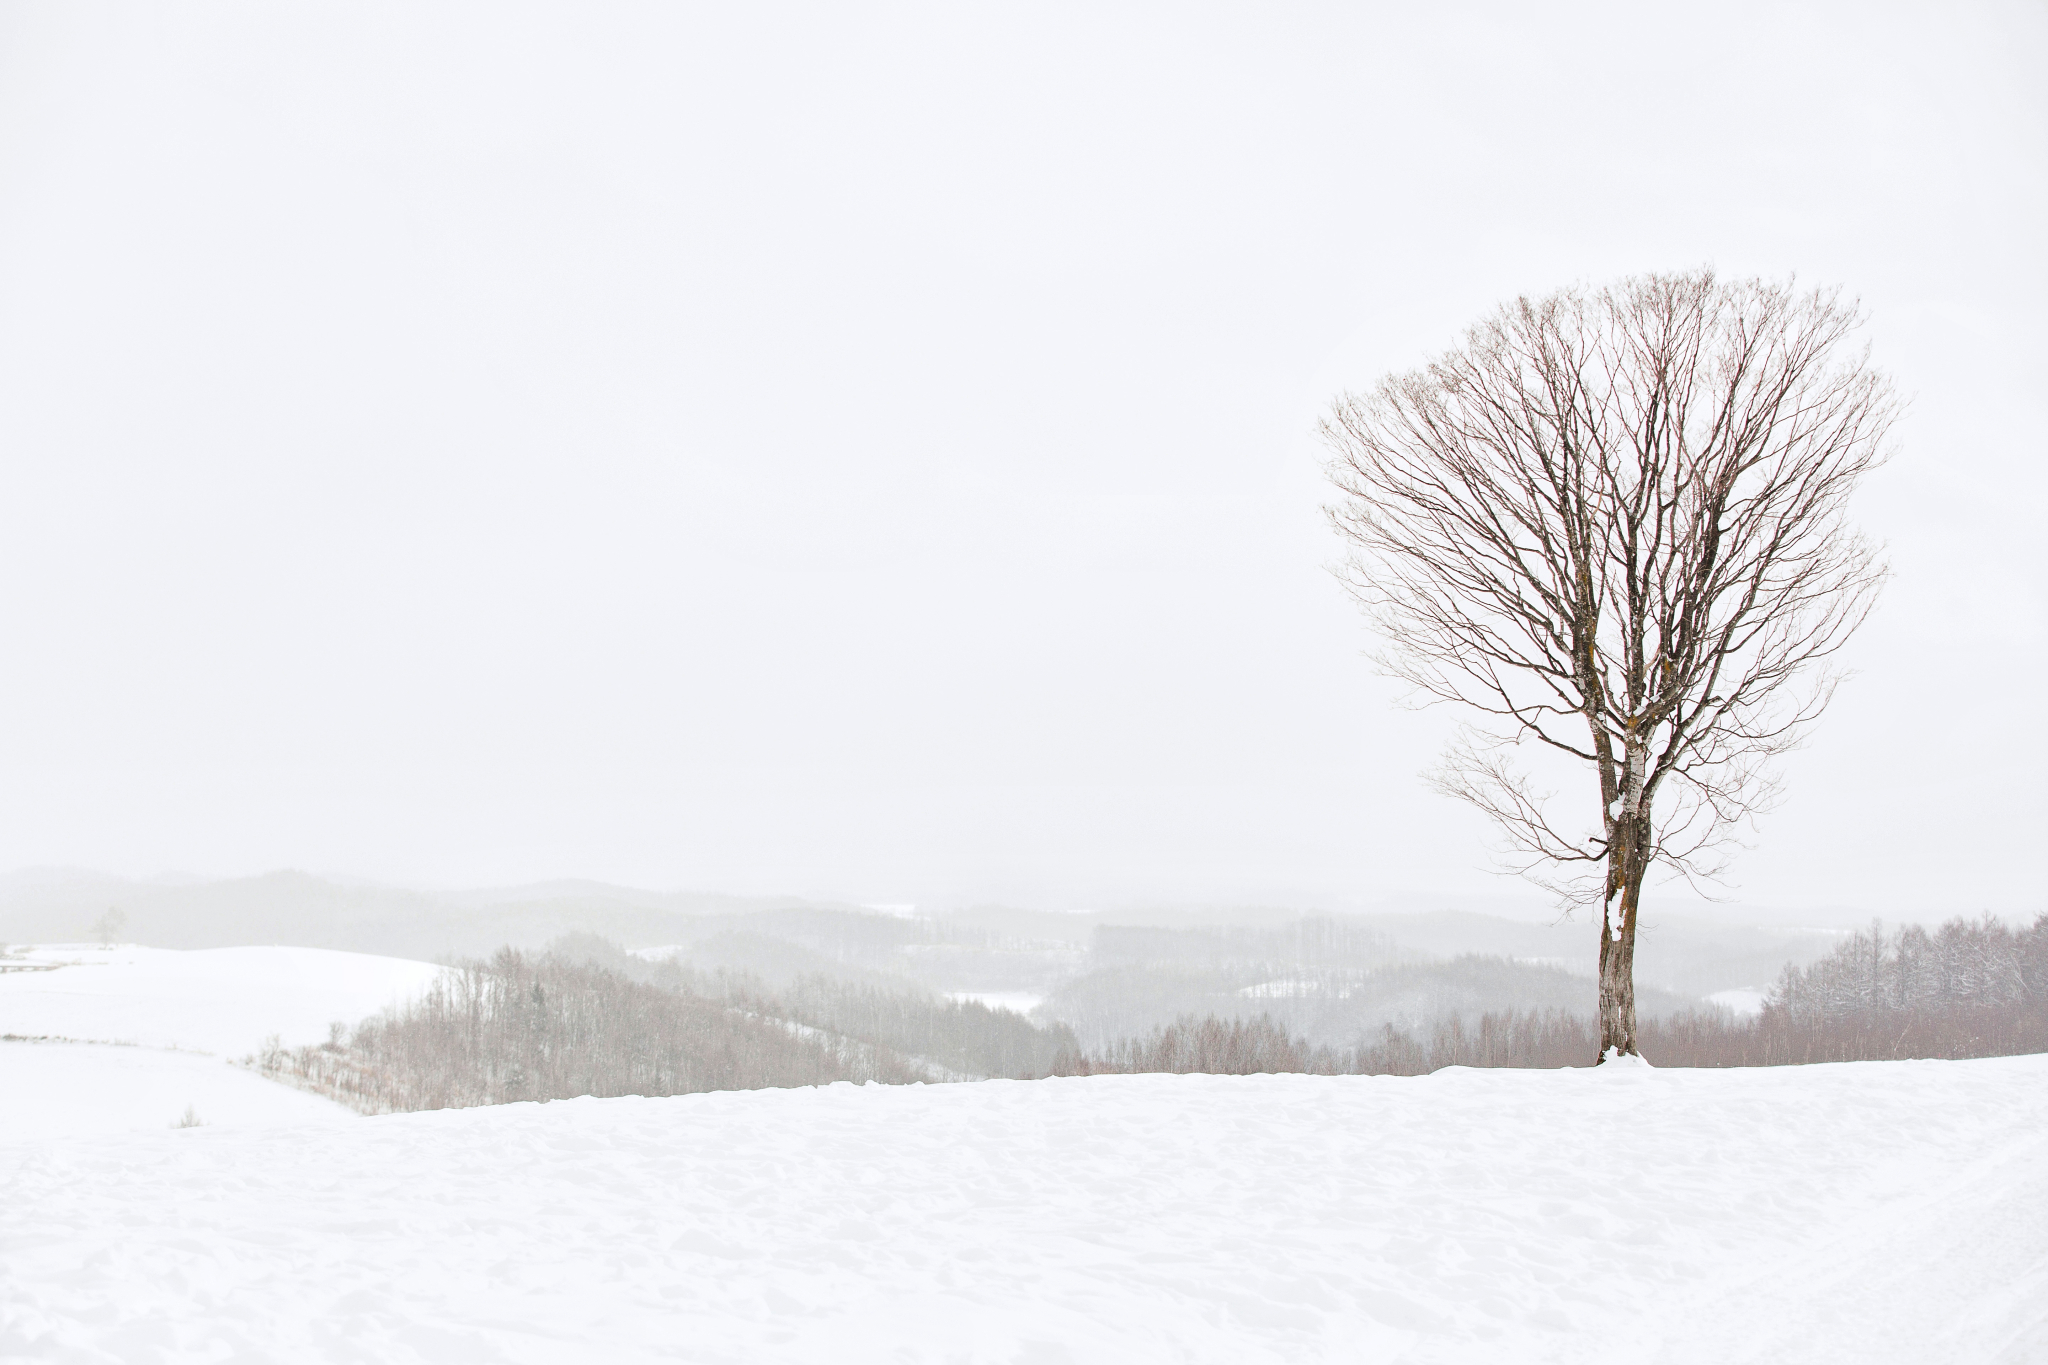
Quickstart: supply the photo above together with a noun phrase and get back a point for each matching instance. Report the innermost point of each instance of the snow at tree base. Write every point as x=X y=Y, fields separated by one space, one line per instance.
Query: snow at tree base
x=1868 y=1212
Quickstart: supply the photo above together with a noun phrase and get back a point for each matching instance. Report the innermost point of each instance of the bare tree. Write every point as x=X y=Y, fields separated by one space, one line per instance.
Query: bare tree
x=1609 y=525
x=109 y=925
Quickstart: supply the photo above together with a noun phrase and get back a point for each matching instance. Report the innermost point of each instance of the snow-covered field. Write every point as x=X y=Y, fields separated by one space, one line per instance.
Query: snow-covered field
x=1877 y=1212
x=179 y=1018
x=69 y=1089
x=220 y=1000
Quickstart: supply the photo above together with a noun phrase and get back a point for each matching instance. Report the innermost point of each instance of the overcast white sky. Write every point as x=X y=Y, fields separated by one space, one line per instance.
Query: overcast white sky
x=868 y=451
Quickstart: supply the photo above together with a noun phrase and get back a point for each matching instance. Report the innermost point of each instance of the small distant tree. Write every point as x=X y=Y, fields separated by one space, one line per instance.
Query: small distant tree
x=1609 y=525
x=107 y=928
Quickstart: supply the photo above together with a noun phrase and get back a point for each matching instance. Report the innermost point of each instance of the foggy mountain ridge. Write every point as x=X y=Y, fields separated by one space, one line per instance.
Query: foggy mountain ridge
x=1328 y=1007
x=1686 y=954
x=1103 y=973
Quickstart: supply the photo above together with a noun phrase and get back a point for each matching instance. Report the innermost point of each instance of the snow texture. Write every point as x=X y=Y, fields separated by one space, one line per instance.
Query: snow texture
x=178 y=1017
x=1874 y=1213
x=225 y=1001
x=69 y=1089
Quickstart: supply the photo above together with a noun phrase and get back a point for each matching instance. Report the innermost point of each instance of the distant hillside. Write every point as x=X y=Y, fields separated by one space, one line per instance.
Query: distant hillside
x=1332 y=1007
x=1326 y=977
x=1686 y=954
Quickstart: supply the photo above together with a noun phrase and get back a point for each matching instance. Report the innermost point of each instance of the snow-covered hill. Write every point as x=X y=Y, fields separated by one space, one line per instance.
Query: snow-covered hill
x=131 y=1038
x=1869 y=1213
x=54 y=1089
x=220 y=1000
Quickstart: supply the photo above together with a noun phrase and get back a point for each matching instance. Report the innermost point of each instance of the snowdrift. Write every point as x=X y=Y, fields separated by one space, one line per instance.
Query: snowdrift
x=1873 y=1212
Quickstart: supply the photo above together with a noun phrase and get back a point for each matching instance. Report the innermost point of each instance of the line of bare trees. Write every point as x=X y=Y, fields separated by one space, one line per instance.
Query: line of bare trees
x=558 y=1025
x=1965 y=990
x=953 y=1039
x=1961 y=966
x=964 y=1039
x=1548 y=1039
x=1536 y=1039
x=535 y=1028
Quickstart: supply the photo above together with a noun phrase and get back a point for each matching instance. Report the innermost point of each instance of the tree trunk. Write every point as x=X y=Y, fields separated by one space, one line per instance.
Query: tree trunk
x=1617 y=971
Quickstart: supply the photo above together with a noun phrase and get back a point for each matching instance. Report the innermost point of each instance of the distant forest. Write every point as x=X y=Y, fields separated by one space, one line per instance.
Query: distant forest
x=586 y=1018
x=1966 y=990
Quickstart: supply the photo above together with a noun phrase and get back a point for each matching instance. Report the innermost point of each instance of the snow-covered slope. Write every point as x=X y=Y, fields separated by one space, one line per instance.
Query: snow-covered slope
x=68 y=1089
x=181 y=1017
x=220 y=1000
x=1878 y=1212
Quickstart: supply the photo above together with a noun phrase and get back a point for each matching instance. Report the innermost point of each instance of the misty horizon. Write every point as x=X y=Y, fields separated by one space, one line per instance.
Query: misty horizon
x=660 y=451
x=1512 y=902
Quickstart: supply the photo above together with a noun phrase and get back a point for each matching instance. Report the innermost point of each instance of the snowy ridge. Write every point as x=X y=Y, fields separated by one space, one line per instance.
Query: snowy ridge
x=1597 y=1215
